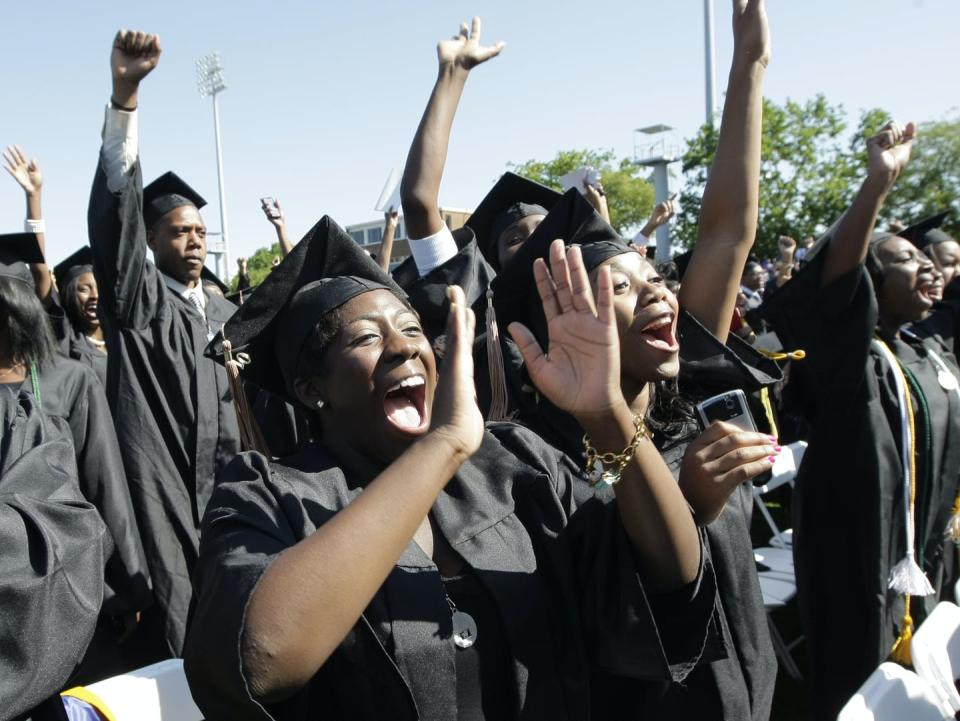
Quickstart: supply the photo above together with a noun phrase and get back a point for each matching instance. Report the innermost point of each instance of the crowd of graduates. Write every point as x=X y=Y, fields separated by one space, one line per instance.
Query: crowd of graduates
x=473 y=485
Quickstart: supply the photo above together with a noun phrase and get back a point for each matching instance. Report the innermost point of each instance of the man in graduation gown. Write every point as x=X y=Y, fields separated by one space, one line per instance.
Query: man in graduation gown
x=172 y=407
x=51 y=568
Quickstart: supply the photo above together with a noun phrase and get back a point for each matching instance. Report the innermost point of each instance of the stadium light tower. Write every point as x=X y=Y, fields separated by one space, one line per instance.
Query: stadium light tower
x=210 y=83
x=710 y=53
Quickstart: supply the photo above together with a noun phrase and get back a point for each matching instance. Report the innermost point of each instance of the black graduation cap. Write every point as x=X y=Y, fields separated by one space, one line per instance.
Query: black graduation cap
x=927 y=232
x=16 y=250
x=77 y=263
x=323 y=271
x=682 y=262
x=512 y=197
x=573 y=220
x=167 y=192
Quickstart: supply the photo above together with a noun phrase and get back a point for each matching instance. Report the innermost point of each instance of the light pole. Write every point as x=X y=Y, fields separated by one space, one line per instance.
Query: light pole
x=710 y=52
x=210 y=82
x=658 y=151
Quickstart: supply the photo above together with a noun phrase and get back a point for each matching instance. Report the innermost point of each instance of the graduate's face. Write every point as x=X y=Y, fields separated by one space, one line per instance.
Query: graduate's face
x=378 y=377
x=179 y=244
x=946 y=256
x=908 y=280
x=513 y=238
x=646 y=313
x=86 y=297
x=754 y=277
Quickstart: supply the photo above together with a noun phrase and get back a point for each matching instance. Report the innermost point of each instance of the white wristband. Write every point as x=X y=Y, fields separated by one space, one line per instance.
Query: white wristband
x=433 y=251
x=34 y=226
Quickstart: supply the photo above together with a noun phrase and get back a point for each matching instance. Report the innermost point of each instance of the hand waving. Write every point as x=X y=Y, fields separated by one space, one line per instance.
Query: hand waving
x=580 y=372
x=464 y=49
x=273 y=212
x=888 y=152
x=135 y=54
x=26 y=173
x=751 y=31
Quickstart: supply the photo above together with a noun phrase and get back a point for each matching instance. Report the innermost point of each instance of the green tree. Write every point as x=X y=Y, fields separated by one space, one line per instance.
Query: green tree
x=629 y=195
x=259 y=265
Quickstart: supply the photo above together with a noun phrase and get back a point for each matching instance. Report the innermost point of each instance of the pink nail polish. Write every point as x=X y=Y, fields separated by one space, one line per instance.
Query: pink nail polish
x=772 y=459
x=777 y=449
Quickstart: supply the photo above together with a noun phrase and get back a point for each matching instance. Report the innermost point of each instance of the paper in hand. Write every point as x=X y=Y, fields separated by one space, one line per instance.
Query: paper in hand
x=389 y=201
x=576 y=178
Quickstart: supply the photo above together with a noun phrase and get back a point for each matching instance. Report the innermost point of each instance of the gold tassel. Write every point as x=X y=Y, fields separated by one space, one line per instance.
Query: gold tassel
x=901 y=647
x=251 y=437
x=953 y=525
x=498 y=380
x=796 y=355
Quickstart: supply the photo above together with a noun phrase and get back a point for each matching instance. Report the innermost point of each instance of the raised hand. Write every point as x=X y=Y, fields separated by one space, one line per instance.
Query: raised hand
x=455 y=414
x=580 y=371
x=391 y=218
x=135 y=54
x=26 y=172
x=888 y=152
x=751 y=31
x=786 y=246
x=464 y=49
x=273 y=212
x=719 y=460
x=662 y=213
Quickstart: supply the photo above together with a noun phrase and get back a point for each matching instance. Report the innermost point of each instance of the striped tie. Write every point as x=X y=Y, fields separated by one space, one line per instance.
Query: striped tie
x=194 y=298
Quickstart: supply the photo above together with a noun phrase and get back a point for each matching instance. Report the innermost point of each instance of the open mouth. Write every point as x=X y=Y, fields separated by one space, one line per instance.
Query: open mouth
x=90 y=310
x=931 y=292
x=404 y=404
x=658 y=334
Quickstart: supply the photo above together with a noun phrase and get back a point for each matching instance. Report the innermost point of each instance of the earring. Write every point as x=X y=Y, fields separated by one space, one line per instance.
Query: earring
x=319 y=404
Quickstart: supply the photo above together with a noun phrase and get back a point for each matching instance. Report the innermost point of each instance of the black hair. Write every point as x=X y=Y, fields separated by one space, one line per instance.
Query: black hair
x=71 y=304
x=670 y=413
x=29 y=336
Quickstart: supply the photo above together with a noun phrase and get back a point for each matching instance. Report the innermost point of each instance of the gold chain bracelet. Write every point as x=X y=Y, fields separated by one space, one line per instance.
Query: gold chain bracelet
x=611 y=465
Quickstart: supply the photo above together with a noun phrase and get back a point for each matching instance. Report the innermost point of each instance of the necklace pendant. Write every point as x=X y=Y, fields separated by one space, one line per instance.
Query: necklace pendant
x=947 y=380
x=464 y=629
x=609 y=478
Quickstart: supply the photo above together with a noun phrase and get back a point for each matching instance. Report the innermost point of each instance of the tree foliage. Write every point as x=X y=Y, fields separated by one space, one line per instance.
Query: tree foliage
x=813 y=164
x=629 y=195
x=259 y=265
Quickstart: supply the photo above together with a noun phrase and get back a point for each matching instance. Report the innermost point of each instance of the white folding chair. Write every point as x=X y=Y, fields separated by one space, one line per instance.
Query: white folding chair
x=784 y=471
x=153 y=693
x=936 y=652
x=778 y=590
x=892 y=693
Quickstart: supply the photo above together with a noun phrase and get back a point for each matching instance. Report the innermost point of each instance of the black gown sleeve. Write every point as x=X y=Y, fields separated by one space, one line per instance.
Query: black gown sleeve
x=834 y=324
x=54 y=546
x=628 y=632
x=131 y=289
x=104 y=483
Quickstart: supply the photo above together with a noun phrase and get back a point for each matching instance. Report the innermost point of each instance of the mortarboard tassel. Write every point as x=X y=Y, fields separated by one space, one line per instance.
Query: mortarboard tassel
x=251 y=437
x=498 y=381
x=901 y=647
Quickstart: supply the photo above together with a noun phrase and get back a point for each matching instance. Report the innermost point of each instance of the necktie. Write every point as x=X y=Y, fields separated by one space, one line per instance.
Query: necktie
x=194 y=298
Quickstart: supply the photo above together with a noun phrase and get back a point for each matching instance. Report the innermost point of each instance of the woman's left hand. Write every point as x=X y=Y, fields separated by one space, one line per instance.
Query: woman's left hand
x=580 y=372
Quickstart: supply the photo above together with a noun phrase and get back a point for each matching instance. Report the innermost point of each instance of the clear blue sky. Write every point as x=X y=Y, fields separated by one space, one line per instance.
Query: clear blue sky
x=324 y=97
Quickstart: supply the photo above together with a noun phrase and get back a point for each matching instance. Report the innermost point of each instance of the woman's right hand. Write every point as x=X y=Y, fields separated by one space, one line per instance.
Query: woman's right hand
x=719 y=460
x=455 y=416
x=464 y=50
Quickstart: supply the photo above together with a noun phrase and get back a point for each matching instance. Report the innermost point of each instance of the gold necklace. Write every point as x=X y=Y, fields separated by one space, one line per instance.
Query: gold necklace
x=10 y=370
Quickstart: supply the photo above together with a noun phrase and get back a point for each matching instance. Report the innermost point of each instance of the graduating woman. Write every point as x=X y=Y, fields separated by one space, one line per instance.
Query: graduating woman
x=415 y=564
x=875 y=490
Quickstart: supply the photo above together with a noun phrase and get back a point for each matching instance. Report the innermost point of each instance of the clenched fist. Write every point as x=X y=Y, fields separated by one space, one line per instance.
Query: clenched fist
x=135 y=54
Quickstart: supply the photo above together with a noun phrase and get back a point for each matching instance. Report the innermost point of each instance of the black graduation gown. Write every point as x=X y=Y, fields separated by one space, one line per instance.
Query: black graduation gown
x=848 y=502
x=73 y=344
x=741 y=685
x=172 y=406
x=54 y=547
x=551 y=552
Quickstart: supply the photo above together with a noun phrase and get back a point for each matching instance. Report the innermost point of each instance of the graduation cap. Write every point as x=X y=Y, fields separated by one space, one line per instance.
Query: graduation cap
x=512 y=198
x=16 y=250
x=166 y=193
x=323 y=271
x=681 y=262
x=573 y=220
x=74 y=265
x=927 y=232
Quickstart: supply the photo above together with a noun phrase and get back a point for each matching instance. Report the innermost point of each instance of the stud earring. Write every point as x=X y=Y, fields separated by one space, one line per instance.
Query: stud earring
x=319 y=404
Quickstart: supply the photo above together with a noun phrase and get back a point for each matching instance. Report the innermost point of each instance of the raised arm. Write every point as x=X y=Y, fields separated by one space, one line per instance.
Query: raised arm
x=728 y=214
x=390 y=219
x=580 y=374
x=29 y=177
x=271 y=208
x=420 y=186
x=888 y=152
